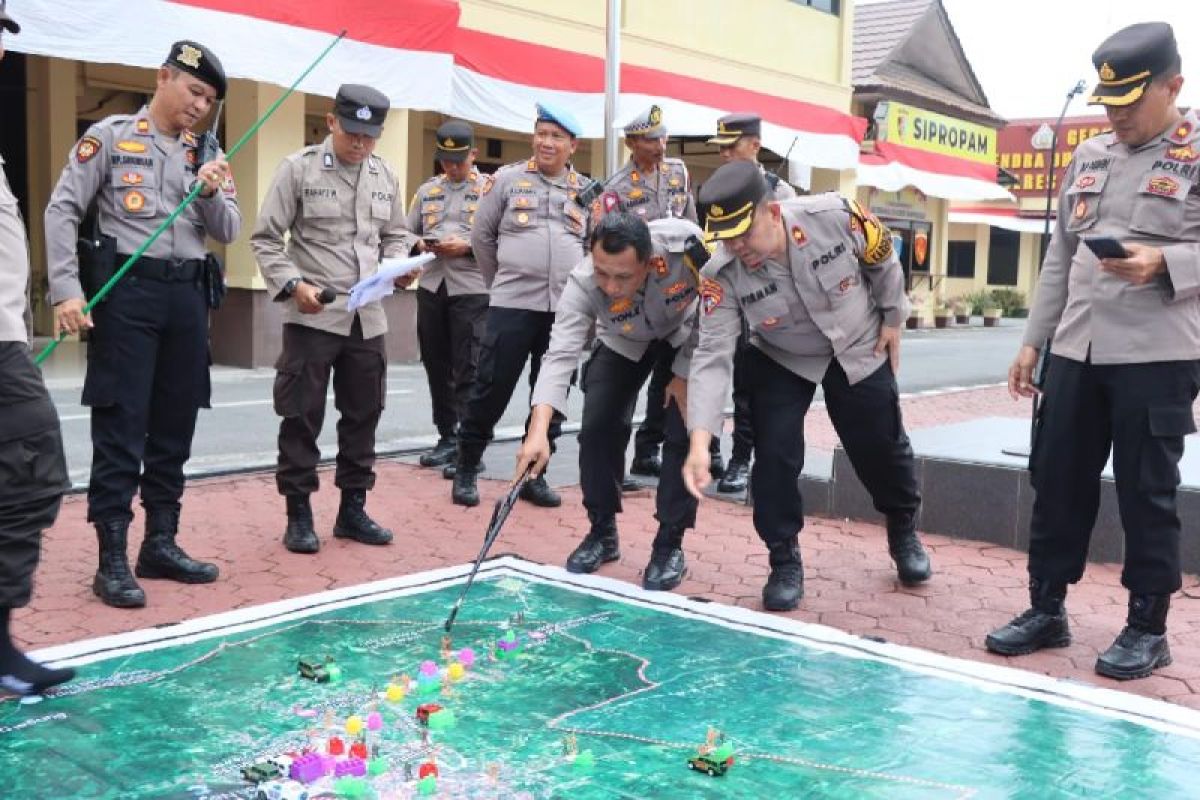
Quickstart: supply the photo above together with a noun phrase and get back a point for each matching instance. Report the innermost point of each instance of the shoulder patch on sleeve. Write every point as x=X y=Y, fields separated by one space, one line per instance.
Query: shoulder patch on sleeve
x=87 y=148
x=711 y=295
x=877 y=245
x=488 y=183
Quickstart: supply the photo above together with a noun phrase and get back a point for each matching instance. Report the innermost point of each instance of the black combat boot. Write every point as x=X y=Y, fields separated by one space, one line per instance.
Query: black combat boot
x=631 y=484
x=785 y=584
x=300 y=536
x=600 y=546
x=1142 y=646
x=161 y=557
x=444 y=452
x=353 y=523
x=912 y=562
x=1044 y=624
x=465 y=492
x=114 y=583
x=667 y=567
x=737 y=473
x=449 y=471
x=538 y=492
x=646 y=464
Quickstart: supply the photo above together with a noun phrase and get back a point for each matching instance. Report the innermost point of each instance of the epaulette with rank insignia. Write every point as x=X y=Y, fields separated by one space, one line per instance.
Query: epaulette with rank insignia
x=878 y=239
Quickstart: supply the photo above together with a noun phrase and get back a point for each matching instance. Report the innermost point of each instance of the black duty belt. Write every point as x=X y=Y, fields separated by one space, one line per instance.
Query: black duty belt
x=170 y=270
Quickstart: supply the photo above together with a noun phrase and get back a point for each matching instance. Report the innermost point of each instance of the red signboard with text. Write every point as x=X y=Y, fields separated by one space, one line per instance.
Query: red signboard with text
x=1023 y=150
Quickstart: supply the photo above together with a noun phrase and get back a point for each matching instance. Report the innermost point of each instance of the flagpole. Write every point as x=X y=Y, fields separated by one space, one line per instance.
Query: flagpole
x=612 y=87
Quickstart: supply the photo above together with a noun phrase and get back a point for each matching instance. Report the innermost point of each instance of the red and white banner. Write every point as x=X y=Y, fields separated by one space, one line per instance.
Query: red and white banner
x=892 y=167
x=415 y=52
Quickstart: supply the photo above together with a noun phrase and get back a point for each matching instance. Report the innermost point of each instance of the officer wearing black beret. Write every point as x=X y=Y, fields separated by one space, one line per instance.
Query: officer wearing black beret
x=1124 y=360
x=147 y=373
x=822 y=292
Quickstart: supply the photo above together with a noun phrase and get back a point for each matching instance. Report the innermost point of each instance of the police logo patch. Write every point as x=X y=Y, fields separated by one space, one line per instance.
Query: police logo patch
x=522 y=218
x=660 y=265
x=228 y=187
x=1187 y=154
x=1162 y=186
x=188 y=138
x=531 y=165
x=620 y=306
x=1081 y=209
x=799 y=236
x=189 y=56
x=711 y=295
x=87 y=148
x=523 y=202
x=627 y=327
x=1085 y=182
x=128 y=146
x=134 y=201
x=132 y=179
x=1182 y=132
x=190 y=157
x=142 y=126
x=635 y=176
x=363 y=113
x=770 y=322
x=673 y=182
x=847 y=283
x=877 y=239
x=487 y=185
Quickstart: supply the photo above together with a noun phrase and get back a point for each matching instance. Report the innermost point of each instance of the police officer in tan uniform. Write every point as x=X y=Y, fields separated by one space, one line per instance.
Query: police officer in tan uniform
x=739 y=138
x=823 y=294
x=147 y=370
x=452 y=299
x=529 y=233
x=653 y=187
x=637 y=290
x=31 y=453
x=1124 y=362
x=332 y=211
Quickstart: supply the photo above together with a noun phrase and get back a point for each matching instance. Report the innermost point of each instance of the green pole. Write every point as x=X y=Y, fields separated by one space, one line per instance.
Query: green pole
x=187 y=201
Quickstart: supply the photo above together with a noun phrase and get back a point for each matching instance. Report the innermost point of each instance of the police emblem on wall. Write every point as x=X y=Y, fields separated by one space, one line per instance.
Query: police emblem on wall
x=711 y=294
x=920 y=247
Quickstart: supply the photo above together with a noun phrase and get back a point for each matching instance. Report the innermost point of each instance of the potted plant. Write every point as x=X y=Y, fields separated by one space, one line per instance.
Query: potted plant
x=962 y=312
x=991 y=316
x=941 y=315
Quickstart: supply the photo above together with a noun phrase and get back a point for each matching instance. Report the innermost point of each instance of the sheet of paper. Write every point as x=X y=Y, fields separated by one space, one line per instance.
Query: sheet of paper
x=382 y=283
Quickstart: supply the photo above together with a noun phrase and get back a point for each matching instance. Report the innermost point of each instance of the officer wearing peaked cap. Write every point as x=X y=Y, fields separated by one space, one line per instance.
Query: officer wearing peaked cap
x=529 y=233
x=333 y=210
x=637 y=291
x=1124 y=363
x=147 y=371
x=452 y=298
x=823 y=294
x=739 y=139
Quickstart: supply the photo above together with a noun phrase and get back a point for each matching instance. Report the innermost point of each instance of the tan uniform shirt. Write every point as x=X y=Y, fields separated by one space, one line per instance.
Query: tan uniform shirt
x=839 y=285
x=1149 y=195
x=337 y=225
x=14 y=266
x=137 y=177
x=664 y=192
x=529 y=233
x=664 y=309
x=442 y=209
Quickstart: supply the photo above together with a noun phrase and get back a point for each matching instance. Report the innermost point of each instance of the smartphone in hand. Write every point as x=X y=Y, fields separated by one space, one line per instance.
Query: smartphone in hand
x=1106 y=247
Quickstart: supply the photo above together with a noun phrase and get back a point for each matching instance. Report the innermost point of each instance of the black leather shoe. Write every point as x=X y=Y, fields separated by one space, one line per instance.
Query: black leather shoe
x=160 y=557
x=354 y=523
x=600 y=546
x=912 y=562
x=716 y=465
x=444 y=452
x=631 y=484
x=114 y=584
x=450 y=469
x=785 y=584
x=1142 y=646
x=665 y=571
x=737 y=473
x=465 y=492
x=649 y=465
x=538 y=492
x=1043 y=624
x=300 y=536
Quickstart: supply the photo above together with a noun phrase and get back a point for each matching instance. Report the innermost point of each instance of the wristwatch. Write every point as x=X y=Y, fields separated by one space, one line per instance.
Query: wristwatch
x=289 y=288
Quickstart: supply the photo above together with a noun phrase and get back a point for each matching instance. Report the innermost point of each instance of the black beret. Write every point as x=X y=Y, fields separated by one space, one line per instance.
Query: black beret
x=200 y=62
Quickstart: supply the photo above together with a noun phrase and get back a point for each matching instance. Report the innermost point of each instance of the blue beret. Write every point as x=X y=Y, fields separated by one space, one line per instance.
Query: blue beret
x=547 y=112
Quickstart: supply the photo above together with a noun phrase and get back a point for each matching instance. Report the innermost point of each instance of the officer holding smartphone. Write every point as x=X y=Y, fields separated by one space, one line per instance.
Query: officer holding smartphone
x=1119 y=293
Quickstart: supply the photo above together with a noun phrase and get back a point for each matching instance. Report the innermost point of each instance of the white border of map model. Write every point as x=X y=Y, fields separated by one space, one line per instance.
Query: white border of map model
x=1152 y=713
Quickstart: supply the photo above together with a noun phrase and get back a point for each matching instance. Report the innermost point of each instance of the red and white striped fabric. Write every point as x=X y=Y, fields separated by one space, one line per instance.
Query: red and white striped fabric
x=415 y=52
x=892 y=167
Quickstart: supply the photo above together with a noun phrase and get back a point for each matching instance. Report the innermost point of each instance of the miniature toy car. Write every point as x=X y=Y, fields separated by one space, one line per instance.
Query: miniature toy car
x=314 y=669
x=712 y=766
x=424 y=710
x=262 y=771
x=282 y=790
